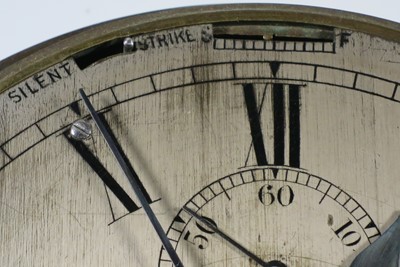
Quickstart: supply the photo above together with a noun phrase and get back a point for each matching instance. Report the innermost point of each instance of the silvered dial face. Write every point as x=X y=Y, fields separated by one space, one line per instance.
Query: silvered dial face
x=281 y=134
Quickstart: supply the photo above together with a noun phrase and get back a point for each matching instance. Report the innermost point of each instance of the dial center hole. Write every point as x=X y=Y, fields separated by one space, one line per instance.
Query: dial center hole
x=277 y=264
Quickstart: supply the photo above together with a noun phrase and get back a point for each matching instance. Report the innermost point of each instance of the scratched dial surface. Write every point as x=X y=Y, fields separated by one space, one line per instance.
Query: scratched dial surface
x=281 y=133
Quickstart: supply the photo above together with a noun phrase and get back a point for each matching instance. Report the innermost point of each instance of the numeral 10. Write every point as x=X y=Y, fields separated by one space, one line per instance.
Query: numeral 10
x=346 y=235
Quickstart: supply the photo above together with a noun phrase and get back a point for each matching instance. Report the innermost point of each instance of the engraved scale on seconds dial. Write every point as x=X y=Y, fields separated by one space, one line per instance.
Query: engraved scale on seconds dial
x=282 y=135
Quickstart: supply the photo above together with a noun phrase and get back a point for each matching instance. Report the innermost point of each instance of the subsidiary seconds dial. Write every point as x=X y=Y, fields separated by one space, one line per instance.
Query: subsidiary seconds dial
x=265 y=200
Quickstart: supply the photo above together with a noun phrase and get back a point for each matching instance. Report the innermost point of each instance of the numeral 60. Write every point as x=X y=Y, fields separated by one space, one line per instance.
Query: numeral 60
x=284 y=195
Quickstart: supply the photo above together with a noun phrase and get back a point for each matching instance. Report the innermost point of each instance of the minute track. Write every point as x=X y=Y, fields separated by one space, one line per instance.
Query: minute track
x=311 y=78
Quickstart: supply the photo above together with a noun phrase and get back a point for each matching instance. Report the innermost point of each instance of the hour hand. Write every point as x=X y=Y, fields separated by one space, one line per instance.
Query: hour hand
x=383 y=252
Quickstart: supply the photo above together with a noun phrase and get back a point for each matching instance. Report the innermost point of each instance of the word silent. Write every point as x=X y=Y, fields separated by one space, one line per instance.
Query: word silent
x=39 y=82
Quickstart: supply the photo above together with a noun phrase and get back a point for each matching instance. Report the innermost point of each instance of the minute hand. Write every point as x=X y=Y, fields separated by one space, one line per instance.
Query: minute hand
x=132 y=177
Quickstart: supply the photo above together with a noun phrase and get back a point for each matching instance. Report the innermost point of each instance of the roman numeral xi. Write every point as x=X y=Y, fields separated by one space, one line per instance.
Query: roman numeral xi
x=110 y=182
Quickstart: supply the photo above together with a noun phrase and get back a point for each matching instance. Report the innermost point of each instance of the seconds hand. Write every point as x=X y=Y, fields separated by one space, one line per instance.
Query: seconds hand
x=132 y=177
x=228 y=238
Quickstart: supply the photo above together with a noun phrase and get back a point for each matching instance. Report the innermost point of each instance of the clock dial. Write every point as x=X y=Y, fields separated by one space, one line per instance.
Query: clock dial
x=259 y=136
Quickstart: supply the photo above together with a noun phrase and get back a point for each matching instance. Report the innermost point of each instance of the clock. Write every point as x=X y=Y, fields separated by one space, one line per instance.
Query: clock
x=228 y=135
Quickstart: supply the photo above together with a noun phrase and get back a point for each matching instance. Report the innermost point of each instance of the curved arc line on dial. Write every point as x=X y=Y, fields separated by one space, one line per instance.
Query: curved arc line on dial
x=235 y=77
x=262 y=169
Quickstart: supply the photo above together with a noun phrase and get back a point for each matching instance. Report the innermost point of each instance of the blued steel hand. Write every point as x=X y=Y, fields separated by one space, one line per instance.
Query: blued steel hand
x=385 y=251
x=227 y=238
x=132 y=177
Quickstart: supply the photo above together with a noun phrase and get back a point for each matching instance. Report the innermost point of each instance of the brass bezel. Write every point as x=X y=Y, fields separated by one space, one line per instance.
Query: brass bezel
x=24 y=64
